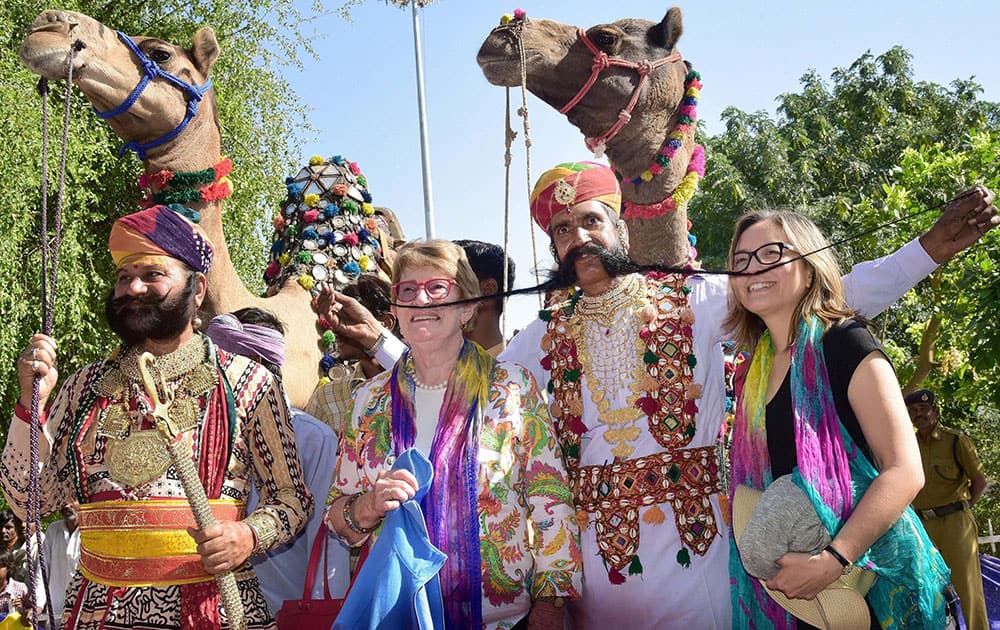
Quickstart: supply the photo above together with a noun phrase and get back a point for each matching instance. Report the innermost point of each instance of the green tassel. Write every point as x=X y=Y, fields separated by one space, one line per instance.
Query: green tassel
x=635 y=568
x=684 y=558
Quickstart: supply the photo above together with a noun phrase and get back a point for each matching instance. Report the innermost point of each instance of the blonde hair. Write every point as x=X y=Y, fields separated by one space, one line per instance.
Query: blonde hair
x=823 y=298
x=445 y=256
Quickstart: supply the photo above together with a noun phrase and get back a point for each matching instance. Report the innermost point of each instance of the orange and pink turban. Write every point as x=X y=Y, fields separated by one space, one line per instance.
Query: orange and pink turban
x=568 y=184
x=161 y=231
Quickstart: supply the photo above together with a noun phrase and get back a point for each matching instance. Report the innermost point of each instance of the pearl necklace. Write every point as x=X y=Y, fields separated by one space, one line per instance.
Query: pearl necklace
x=424 y=386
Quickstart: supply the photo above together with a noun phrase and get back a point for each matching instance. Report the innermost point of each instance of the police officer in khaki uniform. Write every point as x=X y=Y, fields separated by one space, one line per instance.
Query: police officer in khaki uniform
x=954 y=481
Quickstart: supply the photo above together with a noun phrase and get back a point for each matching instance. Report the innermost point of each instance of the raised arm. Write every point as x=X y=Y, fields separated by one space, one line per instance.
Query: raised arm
x=874 y=285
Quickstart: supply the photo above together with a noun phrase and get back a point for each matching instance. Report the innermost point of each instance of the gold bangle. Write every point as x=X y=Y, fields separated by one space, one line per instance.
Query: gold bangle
x=265 y=532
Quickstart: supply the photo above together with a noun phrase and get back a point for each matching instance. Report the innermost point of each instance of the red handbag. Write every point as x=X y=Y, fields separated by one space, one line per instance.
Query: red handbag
x=308 y=613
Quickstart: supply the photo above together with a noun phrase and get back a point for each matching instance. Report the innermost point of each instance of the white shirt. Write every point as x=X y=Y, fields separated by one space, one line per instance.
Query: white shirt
x=62 y=554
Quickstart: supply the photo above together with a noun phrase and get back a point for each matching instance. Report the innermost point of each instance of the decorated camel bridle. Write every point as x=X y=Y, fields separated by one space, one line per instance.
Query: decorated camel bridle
x=151 y=70
x=601 y=62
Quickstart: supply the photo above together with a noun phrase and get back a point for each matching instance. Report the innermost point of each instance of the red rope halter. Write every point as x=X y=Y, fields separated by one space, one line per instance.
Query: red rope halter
x=602 y=62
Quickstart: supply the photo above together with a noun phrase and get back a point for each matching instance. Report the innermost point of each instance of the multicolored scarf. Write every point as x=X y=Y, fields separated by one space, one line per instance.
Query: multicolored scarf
x=451 y=506
x=834 y=474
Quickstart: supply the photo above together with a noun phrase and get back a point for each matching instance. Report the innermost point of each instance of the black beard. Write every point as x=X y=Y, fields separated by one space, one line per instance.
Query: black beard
x=136 y=319
x=616 y=263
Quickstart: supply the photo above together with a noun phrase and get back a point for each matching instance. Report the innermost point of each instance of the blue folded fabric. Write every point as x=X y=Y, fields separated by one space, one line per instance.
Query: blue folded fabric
x=398 y=585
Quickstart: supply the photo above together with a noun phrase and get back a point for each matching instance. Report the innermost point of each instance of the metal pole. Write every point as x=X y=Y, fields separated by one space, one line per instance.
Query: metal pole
x=425 y=156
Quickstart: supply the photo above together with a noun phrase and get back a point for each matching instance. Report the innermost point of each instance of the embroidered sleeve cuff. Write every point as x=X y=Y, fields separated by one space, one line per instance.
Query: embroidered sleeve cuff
x=549 y=584
x=24 y=414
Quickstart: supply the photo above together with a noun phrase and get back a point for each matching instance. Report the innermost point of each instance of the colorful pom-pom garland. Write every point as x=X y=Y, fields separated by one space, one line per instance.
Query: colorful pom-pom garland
x=185 y=187
x=686 y=124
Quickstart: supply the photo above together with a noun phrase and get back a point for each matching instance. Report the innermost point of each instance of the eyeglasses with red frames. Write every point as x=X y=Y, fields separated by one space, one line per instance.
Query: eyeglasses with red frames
x=436 y=289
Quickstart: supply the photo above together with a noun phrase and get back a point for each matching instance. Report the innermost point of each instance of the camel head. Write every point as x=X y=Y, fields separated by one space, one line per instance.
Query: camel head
x=107 y=71
x=559 y=63
x=595 y=77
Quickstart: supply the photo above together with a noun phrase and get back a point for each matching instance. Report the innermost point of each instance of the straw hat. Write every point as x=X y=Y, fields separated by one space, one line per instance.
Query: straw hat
x=768 y=524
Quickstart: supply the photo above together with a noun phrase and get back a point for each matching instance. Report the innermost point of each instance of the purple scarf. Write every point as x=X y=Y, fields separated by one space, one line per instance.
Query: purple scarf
x=451 y=506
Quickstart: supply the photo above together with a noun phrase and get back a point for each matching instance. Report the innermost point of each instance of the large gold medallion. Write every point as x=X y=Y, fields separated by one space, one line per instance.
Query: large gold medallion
x=139 y=458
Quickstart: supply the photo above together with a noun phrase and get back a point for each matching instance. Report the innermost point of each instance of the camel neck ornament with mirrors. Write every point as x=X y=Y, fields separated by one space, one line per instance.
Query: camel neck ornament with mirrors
x=157 y=97
x=637 y=105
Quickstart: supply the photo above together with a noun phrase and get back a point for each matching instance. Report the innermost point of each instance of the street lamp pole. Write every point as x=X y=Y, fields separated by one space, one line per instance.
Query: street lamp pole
x=425 y=156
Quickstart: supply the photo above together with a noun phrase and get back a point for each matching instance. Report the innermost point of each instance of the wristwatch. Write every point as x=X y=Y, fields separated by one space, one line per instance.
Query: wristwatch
x=844 y=562
x=379 y=342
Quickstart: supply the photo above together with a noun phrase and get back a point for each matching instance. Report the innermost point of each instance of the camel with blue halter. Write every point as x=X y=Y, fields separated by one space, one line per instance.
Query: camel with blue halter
x=158 y=98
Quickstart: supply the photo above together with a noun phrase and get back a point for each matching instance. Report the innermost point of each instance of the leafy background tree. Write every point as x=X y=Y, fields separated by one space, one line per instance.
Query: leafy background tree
x=868 y=146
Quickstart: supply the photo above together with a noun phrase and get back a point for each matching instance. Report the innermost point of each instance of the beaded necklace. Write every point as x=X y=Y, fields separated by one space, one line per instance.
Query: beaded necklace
x=167 y=187
x=686 y=124
x=663 y=391
x=606 y=332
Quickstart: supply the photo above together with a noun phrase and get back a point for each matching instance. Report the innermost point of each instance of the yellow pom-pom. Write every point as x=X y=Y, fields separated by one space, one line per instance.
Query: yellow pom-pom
x=312 y=200
x=365 y=263
x=316 y=160
x=323 y=380
x=284 y=259
x=646 y=176
x=506 y=18
x=367 y=209
x=307 y=282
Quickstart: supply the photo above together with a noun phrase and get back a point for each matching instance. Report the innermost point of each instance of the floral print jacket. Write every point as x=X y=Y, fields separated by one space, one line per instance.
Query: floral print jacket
x=528 y=532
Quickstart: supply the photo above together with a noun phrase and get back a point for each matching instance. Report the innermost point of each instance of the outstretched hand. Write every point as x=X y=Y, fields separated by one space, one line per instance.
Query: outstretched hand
x=347 y=317
x=964 y=221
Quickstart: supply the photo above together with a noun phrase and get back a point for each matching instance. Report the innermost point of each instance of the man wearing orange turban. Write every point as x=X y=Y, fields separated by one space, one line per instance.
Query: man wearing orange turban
x=142 y=560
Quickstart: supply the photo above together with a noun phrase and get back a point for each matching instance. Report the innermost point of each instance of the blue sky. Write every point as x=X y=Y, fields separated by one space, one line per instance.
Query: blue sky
x=362 y=91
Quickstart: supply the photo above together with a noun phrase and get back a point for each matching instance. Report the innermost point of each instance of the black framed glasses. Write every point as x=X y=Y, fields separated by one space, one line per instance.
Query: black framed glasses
x=766 y=254
x=436 y=289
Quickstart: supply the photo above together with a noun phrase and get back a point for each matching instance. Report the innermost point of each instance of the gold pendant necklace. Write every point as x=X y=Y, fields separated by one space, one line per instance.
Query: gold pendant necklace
x=606 y=332
x=134 y=456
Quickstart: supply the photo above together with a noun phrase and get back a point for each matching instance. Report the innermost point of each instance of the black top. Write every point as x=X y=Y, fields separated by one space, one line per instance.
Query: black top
x=845 y=345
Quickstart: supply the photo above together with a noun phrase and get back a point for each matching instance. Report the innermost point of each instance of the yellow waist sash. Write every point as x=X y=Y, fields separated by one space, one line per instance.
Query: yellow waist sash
x=144 y=543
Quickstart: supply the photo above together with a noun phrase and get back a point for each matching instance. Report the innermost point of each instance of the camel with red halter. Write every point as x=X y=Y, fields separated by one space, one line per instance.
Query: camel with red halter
x=157 y=97
x=629 y=91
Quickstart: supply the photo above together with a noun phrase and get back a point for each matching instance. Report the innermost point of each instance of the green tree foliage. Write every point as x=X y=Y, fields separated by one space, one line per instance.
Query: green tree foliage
x=262 y=125
x=869 y=146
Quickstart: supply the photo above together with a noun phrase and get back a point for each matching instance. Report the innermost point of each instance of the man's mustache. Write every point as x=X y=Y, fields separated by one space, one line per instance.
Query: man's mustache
x=616 y=263
x=127 y=301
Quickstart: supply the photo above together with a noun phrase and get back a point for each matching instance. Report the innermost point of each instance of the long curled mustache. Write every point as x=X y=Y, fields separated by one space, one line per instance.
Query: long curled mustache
x=615 y=262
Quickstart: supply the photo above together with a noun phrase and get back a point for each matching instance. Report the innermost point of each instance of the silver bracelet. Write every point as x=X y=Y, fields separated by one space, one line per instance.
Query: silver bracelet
x=379 y=342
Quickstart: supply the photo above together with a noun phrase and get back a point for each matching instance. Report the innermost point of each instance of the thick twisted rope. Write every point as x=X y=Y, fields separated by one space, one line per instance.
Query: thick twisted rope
x=50 y=265
x=523 y=113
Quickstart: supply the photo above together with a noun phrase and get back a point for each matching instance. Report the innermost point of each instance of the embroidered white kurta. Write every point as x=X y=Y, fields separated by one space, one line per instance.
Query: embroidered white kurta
x=667 y=595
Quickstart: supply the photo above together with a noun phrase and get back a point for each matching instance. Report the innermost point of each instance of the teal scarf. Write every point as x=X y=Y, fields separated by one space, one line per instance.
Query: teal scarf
x=911 y=572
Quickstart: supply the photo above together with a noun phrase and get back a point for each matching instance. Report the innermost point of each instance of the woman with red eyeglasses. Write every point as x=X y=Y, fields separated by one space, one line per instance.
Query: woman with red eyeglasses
x=484 y=427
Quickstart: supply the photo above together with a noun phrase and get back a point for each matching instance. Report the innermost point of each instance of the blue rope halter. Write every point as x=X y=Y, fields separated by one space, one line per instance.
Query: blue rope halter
x=153 y=71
